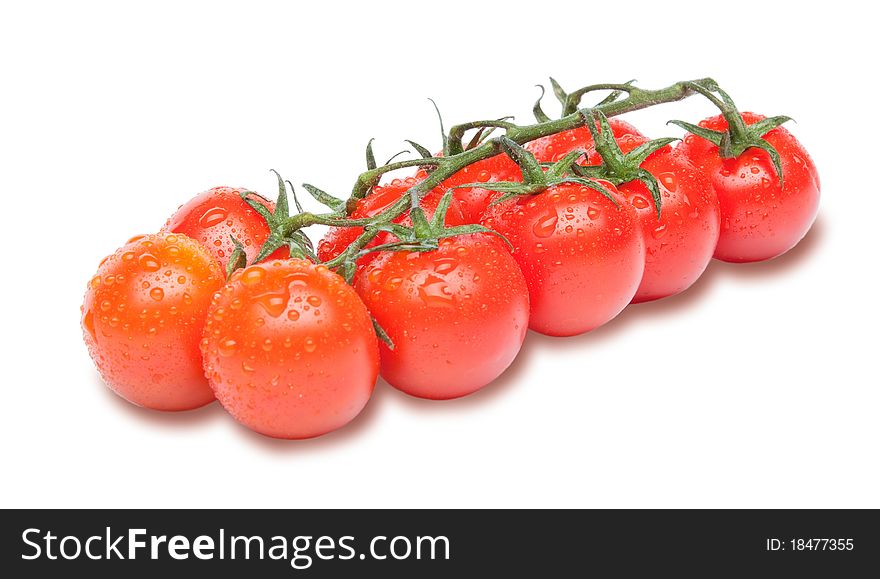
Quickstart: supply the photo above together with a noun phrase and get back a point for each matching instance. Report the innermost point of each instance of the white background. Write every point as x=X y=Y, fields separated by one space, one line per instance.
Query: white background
x=756 y=388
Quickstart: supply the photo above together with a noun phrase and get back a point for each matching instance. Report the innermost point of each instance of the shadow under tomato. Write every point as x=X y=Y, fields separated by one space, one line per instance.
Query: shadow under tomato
x=185 y=419
x=716 y=270
x=353 y=429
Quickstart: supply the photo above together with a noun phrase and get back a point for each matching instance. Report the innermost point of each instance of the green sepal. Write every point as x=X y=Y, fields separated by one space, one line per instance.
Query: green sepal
x=539 y=113
x=650 y=182
x=396 y=155
x=645 y=150
x=259 y=207
x=774 y=157
x=442 y=128
x=282 y=210
x=531 y=169
x=334 y=203
x=371 y=158
x=710 y=135
x=563 y=166
x=382 y=334
x=238 y=259
x=764 y=126
x=296 y=202
x=560 y=94
x=425 y=153
x=614 y=95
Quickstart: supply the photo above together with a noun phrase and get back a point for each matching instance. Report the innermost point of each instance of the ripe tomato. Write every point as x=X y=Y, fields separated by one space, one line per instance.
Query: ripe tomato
x=380 y=198
x=142 y=319
x=582 y=255
x=289 y=349
x=215 y=215
x=679 y=245
x=554 y=147
x=473 y=201
x=759 y=219
x=457 y=315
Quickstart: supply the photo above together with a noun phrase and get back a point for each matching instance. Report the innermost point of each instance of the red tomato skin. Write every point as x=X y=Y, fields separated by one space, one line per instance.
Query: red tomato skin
x=457 y=315
x=473 y=201
x=582 y=256
x=554 y=147
x=142 y=318
x=289 y=349
x=759 y=219
x=679 y=245
x=337 y=239
x=213 y=216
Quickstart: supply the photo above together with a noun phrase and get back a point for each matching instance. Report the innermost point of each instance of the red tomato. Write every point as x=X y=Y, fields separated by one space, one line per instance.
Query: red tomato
x=213 y=216
x=554 y=147
x=337 y=239
x=582 y=256
x=759 y=219
x=474 y=201
x=142 y=319
x=679 y=245
x=289 y=349
x=457 y=315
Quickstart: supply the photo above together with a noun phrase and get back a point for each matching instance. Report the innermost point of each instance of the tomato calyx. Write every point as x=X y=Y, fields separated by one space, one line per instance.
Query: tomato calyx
x=618 y=167
x=571 y=101
x=739 y=136
x=536 y=177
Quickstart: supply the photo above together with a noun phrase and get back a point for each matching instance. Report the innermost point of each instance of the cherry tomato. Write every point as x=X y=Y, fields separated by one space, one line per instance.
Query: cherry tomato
x=289 y=349
x=214 y=216
x=679 y=245
x=380 y=198
x=457 y=316
x=473 y=201
x=759 y=218
x=582 y=255
x=142 y=319
x=554 y=147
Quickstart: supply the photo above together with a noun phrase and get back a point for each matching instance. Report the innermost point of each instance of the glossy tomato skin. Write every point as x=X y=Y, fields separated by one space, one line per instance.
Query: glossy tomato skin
x=142 y=320
x=457 y=316
x=759 y=219
x=679 y=245
x=380 y=198
x=473 y=201
x=289 y=349
x=554 y=147
x=582 y=256
x=214 y=216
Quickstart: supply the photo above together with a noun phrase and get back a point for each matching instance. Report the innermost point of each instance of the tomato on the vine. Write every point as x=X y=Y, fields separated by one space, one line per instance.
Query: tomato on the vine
x=473 y=201
x=553 y=148
x=289 y=349
x=457 y=315
x=142 y=318
x=760 y=219
x=680 y=244
x=582 y=254
x=214 y=216
x=380 y=198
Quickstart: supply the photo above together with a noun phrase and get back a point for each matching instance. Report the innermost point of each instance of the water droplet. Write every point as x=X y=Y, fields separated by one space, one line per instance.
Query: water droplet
x=445 y=265
x=659 y=231
x=128 y=256
x=246 y=367
x=267 y=345
x=668 y=180
x=213 y=216
x=640 y=202
x=253 y=275
x=309 y=345
x=227 y=347
x=435 y=292
x=274 y=303
x=157 y=294
x=181 y=279
x=293 y=315
x=89 y=323
x=755 y=170
x=149 y=262
x=594 y=212
x=106 y=305
x=545 y=226
x=765 y=182
x=314 y=301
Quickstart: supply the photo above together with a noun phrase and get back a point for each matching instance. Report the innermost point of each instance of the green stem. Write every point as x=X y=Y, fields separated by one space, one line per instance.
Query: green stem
x=447 y=166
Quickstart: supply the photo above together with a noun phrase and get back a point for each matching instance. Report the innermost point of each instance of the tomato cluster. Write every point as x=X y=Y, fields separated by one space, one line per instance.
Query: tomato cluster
x=292 y=349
